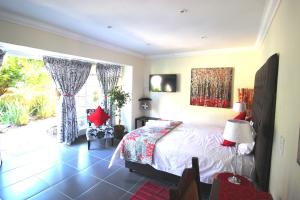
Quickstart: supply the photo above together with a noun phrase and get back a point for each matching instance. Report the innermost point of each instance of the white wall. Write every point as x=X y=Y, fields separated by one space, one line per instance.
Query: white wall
x=177 y=106
x=126 y=114
x=29 y=37
x=284 y=38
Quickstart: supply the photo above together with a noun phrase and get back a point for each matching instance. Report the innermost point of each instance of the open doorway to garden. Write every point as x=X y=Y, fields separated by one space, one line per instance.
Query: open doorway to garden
x=34 y=163
x=27 y=92
x=28 y=100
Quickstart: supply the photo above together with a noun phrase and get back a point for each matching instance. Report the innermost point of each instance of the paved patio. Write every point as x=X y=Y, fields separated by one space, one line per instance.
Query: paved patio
x=17 y=141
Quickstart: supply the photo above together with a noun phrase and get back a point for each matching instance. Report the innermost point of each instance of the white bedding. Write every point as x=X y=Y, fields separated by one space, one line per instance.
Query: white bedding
x=174 y=151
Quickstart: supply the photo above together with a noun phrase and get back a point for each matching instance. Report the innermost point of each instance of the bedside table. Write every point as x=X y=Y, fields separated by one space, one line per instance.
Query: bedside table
x=222 y=189
x=143 y=120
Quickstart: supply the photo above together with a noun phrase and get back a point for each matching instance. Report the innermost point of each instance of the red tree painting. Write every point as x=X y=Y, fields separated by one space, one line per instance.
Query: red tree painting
x=211 y=87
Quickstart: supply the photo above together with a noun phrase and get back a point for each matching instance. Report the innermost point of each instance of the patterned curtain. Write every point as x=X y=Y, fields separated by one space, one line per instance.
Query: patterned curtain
x=69 y=76
x=2 y=53
x=108 y=76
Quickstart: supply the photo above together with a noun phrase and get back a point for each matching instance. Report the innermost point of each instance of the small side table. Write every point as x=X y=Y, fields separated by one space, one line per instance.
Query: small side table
x=223 y=189
x=143 y=120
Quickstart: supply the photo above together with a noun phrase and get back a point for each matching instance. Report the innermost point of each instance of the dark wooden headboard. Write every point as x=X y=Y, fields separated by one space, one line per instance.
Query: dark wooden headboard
x=263 y=112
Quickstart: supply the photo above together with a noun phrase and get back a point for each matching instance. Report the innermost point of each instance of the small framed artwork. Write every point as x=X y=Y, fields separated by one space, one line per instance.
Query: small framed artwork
x=298 y=156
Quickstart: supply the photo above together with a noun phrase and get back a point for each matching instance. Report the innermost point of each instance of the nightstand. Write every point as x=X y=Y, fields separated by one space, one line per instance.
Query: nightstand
x=223 y=189
x=142 y=120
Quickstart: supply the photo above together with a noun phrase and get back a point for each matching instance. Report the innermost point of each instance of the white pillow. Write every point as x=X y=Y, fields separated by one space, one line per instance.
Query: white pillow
x=245 y=148
x=158 y=123
x=150 y=124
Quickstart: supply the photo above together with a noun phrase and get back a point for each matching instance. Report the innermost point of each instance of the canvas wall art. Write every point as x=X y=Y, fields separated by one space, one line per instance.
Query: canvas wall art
x=211 y=87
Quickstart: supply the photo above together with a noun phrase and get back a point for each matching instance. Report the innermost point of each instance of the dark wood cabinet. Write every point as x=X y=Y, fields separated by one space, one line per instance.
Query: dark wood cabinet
x=141 y=121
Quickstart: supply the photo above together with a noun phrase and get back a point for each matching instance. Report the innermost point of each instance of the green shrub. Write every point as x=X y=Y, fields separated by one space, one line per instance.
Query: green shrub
x=42 y=106
x=13 y=113
x=11 y=73
x=26 y=90
x=22 y=115
x=3 y=109
x=14 y=98
x=14 y=109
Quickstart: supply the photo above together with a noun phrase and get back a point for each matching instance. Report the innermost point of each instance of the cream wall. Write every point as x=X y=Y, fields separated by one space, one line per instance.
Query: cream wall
x=30 y=37
x=284 y=38
x=177 y=105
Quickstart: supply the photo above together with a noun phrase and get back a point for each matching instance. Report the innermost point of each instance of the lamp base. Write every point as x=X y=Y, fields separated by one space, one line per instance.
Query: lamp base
x=233 y=179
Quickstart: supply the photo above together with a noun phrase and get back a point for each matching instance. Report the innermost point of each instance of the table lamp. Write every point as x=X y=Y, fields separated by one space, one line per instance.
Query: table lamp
x=239 y=106
x=238 y=131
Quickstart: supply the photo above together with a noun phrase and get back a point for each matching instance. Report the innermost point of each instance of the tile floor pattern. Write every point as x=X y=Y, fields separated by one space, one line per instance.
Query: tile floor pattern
x=50 y=170
x=59 y=172
x=36 y=167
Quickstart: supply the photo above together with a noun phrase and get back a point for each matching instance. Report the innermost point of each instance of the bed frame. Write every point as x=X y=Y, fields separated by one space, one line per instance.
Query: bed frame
x=263 y=113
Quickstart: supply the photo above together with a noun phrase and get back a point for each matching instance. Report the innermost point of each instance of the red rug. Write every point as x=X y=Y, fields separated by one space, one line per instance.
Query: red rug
x=151 y=191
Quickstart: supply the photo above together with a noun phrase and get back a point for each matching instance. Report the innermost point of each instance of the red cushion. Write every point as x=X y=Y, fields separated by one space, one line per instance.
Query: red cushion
x=228 y=143
x=241 y=116
x=98 y=117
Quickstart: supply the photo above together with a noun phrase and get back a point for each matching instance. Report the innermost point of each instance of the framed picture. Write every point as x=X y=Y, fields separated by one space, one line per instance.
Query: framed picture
x=298 y=156
x=211 y=87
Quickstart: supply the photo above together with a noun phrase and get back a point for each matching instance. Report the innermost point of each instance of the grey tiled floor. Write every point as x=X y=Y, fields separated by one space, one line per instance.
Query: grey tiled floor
x=66 y=172
x=35 y=166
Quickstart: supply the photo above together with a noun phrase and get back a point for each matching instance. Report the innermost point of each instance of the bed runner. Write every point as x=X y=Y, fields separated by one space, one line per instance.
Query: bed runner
x=138 y=145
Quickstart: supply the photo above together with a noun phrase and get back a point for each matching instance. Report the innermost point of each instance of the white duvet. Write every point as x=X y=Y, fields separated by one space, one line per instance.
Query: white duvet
x=174 y=151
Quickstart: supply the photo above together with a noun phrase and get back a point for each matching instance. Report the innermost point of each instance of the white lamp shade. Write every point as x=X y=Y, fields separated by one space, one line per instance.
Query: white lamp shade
x=239 y=107
x=238 y=131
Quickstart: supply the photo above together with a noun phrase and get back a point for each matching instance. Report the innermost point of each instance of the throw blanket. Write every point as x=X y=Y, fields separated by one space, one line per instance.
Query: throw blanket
x=138 y=145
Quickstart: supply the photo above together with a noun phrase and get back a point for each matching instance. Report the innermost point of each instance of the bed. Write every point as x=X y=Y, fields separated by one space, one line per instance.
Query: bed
x=168 y=163
x=173 y=152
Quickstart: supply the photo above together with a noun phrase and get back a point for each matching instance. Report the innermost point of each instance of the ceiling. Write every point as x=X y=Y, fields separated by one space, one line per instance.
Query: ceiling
x=148 y=27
